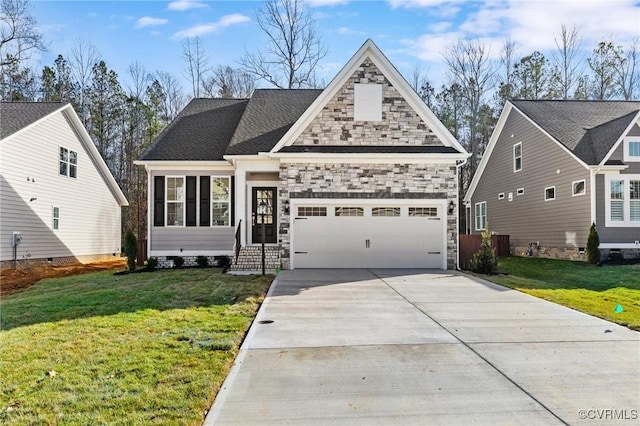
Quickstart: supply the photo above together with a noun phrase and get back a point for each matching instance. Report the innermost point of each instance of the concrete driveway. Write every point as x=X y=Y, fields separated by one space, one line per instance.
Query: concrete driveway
x=422 y=347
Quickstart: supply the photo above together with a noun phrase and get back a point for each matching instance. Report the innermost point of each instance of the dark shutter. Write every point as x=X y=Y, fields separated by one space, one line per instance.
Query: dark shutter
x=205 y=191
x=232 y=189
x=192 y=182
x=158 y=201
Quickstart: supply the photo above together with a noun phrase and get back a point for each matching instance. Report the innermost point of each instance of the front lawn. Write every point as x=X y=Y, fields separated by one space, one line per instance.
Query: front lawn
x=578 y=285
x=150 y=348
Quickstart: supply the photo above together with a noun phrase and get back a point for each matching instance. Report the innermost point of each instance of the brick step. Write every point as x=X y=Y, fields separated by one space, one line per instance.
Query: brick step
x=250 y=259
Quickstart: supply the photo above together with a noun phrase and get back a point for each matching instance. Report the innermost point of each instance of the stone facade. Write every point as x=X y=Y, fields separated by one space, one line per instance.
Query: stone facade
x=371 y=181
x=400 y=125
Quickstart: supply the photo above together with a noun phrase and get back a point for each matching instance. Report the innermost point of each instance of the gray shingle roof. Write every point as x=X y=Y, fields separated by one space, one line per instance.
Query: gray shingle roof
x=201 y=131
x=269 y=114
x=588 y=128
x=15 y=116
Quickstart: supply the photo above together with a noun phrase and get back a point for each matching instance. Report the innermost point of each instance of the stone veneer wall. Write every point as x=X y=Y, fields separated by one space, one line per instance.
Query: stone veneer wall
x=370 y=181
x=400 y=125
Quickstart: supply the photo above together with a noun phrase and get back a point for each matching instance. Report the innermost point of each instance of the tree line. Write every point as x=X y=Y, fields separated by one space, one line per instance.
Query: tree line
x=124 y=119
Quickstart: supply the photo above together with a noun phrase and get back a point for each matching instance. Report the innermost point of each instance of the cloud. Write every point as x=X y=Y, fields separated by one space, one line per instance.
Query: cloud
x=349 y=31
x=440 y=27
x=148 y=21
x=223 y=22
x=420 y=3
x=317 y=3
x=186 y=5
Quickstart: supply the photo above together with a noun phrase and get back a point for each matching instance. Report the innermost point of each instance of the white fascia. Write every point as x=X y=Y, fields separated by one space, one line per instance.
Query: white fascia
x=185 y=165
x=387 y=158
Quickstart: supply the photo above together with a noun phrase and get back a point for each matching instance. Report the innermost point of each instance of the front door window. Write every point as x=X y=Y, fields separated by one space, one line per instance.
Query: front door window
x=268 y=196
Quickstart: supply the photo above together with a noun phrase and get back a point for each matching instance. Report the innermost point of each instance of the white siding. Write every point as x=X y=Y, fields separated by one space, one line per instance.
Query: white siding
x=89 y=212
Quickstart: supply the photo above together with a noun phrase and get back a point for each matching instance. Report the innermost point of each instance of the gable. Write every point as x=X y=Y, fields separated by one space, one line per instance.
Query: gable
x=400 y=124
x=331 y=120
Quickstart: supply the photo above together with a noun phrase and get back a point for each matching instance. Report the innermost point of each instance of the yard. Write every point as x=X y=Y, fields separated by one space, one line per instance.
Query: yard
x=578 y=285
x=148 y=348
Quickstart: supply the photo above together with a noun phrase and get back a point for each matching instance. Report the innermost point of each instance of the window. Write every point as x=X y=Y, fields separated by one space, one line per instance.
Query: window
x=517 y=157
x=623 y=200
x=312 y=211
x=631 y=149
x=550 y=193
x=56 y=218
x=385 y=211
x=349 y=211
x=423 y=211
x=579 y=188
x=367 y=102
x=481 y=216
x=220 y=201
x=520 y=191
x=175 y=201
x=501 y=196
x=68 y=163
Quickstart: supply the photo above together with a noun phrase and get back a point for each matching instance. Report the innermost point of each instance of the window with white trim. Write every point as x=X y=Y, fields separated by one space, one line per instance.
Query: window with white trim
x=56 y=219
x=481 y=216
x=501 y=196
x=68 y=163
x=579 y=187
x=520 y=191
x=631 y=149
x=517 y=157
x=622 y=206
x=220 y=201
x=175 y=200
x=550 y=193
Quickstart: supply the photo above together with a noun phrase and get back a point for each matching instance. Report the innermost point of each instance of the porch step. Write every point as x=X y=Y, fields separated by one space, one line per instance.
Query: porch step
x=250 y=259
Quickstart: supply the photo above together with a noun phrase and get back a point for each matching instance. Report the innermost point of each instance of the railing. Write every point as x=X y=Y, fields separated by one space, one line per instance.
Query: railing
x=238 y=245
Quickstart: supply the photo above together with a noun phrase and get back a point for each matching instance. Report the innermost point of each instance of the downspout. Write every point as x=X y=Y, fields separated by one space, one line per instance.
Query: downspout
x=149 y=208
x=593 y=173
x=458 y=166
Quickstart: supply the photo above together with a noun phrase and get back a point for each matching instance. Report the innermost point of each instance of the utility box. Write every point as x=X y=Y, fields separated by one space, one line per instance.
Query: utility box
x=16 y=238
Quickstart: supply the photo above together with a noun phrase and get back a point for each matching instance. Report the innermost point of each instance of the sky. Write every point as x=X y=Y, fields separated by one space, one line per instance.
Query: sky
x=411 y=33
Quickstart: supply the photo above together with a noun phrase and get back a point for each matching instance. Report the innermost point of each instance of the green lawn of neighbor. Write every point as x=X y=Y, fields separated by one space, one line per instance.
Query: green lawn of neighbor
x=146 y=348
x=595 y=290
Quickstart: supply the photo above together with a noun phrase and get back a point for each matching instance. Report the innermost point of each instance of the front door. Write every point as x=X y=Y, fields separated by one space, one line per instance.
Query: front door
x=268 y=195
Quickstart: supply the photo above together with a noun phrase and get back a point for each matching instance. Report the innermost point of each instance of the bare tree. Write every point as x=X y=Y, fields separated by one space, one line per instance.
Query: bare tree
x=19 y=35
x=227 y=82
x=197 y=64
x=507 y=61
x=84 y=56
x=627 y=69
x=602 y=64
x=470 y=67
x=294 y=47
x=567 y=59
x=171 y=97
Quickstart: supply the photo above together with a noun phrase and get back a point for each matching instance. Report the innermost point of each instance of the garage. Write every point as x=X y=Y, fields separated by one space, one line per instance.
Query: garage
x=371 y=234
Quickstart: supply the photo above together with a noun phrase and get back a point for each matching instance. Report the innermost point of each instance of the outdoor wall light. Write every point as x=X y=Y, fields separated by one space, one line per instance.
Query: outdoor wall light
x=286 y=206
x=451 y=207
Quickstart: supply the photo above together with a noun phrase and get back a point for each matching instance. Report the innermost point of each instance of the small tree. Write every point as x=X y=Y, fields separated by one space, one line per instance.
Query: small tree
x=130 y=249
x=593 y=245
x=484 y=260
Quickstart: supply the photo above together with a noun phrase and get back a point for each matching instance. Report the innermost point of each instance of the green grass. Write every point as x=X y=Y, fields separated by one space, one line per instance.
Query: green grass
x=578 y=285
x=149 y=348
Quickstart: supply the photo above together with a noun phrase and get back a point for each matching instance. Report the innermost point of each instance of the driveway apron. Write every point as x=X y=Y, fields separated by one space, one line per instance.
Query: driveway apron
x=387 y=347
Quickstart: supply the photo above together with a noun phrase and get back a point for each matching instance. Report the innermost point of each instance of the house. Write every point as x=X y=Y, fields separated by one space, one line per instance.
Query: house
x=56 y=193
x=360 y=174
x=552 y=168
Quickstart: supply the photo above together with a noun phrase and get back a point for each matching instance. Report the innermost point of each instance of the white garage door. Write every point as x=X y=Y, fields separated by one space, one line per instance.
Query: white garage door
x=383 y=235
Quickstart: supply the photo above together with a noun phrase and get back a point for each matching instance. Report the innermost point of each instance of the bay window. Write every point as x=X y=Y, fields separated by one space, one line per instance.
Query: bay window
x=622 y=200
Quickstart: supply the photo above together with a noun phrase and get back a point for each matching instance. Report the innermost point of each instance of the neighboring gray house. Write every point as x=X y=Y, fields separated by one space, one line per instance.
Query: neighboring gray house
x=360 y=174
x=552 y=168
x=55 y=189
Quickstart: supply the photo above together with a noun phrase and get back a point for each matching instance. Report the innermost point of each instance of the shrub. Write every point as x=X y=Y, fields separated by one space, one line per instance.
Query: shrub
x=222 y=261
x=178 y=261
x=484 y=260
x=202 y=261
x=130 y=249
x=593 y=245
x=152 y=263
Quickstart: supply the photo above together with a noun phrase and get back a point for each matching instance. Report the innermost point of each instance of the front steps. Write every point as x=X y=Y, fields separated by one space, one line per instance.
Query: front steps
x=250 y=259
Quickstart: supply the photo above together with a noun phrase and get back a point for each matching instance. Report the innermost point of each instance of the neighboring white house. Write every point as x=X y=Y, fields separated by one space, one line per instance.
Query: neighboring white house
x=56 y=190
x=360 y=174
